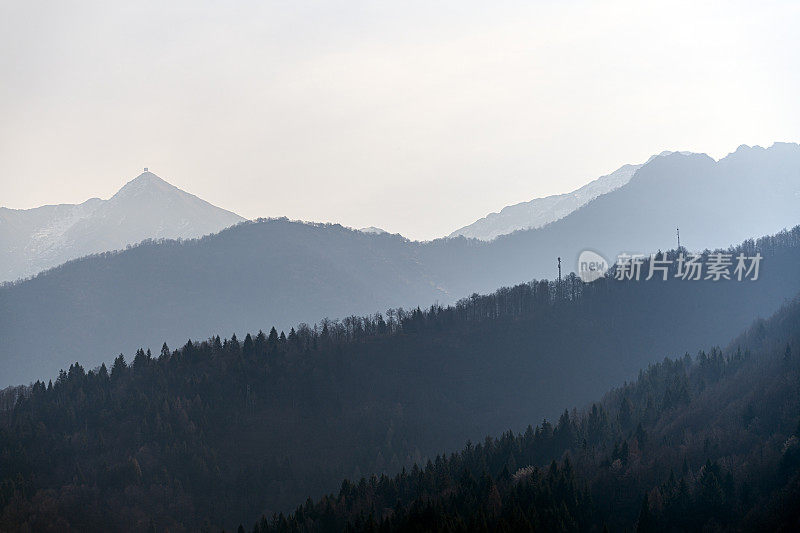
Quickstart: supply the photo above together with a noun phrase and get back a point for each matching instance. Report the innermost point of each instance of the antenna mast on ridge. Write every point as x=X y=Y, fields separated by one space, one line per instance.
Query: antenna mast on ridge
x=679 y=237
x=558 y=287
x=559 y=271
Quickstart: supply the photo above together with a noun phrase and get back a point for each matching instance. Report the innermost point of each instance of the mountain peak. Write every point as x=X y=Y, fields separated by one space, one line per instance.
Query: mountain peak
x=373 y=230
x=146 y=207
x=144 y=182
x=147 y=177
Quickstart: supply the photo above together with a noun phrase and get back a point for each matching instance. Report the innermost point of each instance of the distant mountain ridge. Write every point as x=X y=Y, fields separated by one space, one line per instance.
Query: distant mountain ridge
x=542 y=211
x=147 y=207
x=278 y=272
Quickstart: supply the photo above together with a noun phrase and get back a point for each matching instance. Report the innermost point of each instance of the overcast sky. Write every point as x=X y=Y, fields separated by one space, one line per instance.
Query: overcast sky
x=418 y=117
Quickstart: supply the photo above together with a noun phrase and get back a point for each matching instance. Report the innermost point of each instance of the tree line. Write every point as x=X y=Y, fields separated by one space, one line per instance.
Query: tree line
x=221 y=431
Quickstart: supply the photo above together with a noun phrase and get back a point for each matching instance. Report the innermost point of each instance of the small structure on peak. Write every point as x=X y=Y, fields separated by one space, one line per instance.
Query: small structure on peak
x=559 y=272
x=146 y=169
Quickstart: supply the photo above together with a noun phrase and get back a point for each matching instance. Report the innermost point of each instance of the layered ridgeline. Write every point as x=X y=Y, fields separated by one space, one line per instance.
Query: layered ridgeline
x=242 y=279
x=539 y=212
x=542 y=211
x=221 y=431
x=32 y=240
x=751 y=192
x=280 y=272
x=710 y=443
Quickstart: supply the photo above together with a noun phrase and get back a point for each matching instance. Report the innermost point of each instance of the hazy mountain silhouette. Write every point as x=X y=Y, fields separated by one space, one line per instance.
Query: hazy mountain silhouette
x=242 y=278
x=542 y=211
x=32 y=240
x=753 y=191
x=277 y=272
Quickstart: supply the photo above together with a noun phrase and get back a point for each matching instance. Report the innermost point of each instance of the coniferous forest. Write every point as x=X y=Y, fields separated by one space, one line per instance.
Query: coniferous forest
x=703 y=443
x=370 y=410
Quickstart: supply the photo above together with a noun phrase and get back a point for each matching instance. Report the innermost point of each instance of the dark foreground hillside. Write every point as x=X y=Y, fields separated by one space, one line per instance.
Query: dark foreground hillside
x=223 y=431
x=710 y=443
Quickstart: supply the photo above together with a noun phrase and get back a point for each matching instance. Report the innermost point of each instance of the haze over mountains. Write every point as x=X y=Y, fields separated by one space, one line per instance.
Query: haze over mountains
x=753 y=191
x=32 y=240
x=222 y=428
x=277 y=272
x=541 y=211
x=215 y=432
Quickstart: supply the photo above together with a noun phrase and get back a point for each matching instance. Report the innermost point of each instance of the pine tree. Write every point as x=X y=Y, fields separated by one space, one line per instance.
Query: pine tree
x=646 y=522
x=119 y=367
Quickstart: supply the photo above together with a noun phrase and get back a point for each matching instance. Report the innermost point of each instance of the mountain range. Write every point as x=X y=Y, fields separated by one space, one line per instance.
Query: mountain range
x=278 y=272
x=191 y=429
x=32 y=240
x=542 y=211
x=221 y=431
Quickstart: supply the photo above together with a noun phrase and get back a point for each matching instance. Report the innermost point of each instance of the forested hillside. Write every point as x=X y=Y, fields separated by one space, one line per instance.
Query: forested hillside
x=243 y=279
x=704 y=443
x=221 y=431
x=277 y=272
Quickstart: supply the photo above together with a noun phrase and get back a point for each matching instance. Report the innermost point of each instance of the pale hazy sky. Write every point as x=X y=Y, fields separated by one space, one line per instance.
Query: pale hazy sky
x=417 y=117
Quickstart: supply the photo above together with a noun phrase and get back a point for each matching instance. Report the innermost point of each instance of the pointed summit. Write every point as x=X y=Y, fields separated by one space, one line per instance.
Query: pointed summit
x=146 y=182
x=147 y=207
x=147 y=176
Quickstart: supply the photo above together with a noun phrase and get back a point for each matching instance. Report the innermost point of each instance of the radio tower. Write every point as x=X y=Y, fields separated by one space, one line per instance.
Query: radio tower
x=679 y=237
x=559 y=279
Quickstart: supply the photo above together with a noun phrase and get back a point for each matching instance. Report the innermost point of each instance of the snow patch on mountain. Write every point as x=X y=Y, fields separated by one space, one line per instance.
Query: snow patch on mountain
x=147 y=207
